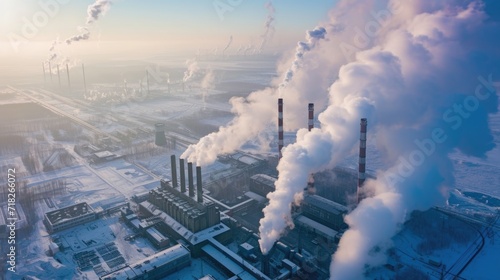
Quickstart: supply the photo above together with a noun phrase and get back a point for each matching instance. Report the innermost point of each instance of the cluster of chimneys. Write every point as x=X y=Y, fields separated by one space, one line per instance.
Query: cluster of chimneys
x=362 y=143
x=182 y=170
x=69 y=81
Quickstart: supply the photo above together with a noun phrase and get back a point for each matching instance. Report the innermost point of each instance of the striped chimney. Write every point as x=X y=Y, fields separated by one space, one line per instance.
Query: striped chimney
x=280 y=126
x=362 y=157
x=311 y=116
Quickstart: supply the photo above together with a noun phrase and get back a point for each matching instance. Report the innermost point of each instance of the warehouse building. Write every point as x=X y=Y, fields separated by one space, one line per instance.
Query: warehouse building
x=69 y=217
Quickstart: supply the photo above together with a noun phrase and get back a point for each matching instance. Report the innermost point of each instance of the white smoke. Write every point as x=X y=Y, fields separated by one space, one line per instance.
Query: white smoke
x=84 y=35
x=94 y=11
x=228 y=45
x=257 y=112
x=412 y=71
x=192 y=69
x=268 y=25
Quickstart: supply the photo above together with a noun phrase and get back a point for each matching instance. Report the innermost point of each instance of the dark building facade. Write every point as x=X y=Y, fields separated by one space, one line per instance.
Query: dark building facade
x=262 y=184
x=324 y=211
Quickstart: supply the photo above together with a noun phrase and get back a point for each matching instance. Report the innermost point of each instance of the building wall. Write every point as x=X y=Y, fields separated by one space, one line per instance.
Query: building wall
x=333 y=220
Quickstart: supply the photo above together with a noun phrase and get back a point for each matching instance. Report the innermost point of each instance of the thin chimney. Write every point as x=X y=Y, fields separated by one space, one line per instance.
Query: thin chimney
x=147 y=80
x=311 y=116
x=280 y=126
x=199 y=186
x=183 y=175
x=190 y=179
x=362 y=158
x=173 y=168
x=58 y=75
x=44 y=76
x=50 y=72
x=67 y=72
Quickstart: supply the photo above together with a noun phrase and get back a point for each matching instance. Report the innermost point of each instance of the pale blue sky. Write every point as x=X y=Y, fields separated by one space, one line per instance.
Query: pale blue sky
x=187 y=24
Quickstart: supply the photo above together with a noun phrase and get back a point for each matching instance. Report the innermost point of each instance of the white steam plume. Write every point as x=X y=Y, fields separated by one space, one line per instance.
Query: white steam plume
x=192 y=69
x=268 y=25
x=415 y=77
x=313 y=37
x=84 y=35
x=94 y=11
x=257 y=112
x=228 y=45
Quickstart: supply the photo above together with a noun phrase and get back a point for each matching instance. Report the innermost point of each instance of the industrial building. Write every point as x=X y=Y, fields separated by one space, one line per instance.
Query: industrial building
x=324 y=211
x=262 y=184
x=69 y=217
x=156 y=266
x=187 y=208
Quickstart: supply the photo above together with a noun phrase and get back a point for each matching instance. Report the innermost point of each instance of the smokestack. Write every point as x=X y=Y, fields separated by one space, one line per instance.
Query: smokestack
x=362 y=157
x=67 y=72
x=147 y=80
x=84 y=81
x=280 y=126
x=183 y=175
x=50 y=72
x=173 y=168
x=44 y=77
x=265 y=264
x=58 y=76
x=199 y=187
x=311 y=116
x=190 y=179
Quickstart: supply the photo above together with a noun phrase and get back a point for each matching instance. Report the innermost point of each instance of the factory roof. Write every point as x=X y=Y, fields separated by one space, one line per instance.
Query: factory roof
x=150 y=263
x=326 y=204
x=156 y=235
x=264 y=179
x=67 y=213
x=192 y=238
x=326 y=231
x=104 y=154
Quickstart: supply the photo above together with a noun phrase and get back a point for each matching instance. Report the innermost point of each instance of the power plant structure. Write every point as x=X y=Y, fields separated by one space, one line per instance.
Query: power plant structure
x=44 y=76
x=280 y=127
x=160 y=139
x=58 y=76
x=362 y=158
x=84 y=80
x=67 y=72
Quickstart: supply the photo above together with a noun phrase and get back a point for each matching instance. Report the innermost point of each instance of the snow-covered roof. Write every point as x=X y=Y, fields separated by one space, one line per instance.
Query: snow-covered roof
x=325 y=204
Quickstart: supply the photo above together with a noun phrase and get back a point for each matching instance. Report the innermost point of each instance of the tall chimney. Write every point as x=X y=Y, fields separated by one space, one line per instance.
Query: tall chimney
x=50 y=72
x=58 y=76
x=362 y=158
x=44 y=77
x=199 y=186
x=311 y=116
x=280 y=126
x=67 y=72
x=183 y=175
x=173 y=168
x=190 y=179
x=84 y=81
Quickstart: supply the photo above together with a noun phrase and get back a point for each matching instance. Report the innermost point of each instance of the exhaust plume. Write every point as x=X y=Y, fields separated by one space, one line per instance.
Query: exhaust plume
x=256 y=113
x=269 y=26
x=84 y=35
x=100 y=7
x=419 y=116
x=192 y=69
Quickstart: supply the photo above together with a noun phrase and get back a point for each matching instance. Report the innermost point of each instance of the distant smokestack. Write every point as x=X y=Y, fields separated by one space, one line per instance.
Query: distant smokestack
x=44 y=76
x=265 y=264
x=50 y=72
x=58 y=76
x=362 y=158
x=183 y=175
x=173 y=168
x=147 y=80
x=311 y=116
x=84 y=81
x=199 y=186
x=280 y=126
x=67 y=72
x=190 y=179
x=160 y=139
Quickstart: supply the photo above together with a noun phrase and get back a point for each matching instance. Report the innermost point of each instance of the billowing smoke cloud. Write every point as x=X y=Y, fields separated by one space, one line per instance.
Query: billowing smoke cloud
x=84 y=35
x=256 y=113
x=100 y=7
x=269 y=26
x=313 y=37
x=94 y=11
x=192 y=69
x=419 y=72
x=228 y=45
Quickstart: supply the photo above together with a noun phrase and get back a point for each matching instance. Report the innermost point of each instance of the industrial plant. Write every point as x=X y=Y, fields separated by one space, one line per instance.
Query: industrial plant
x=155 y=144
